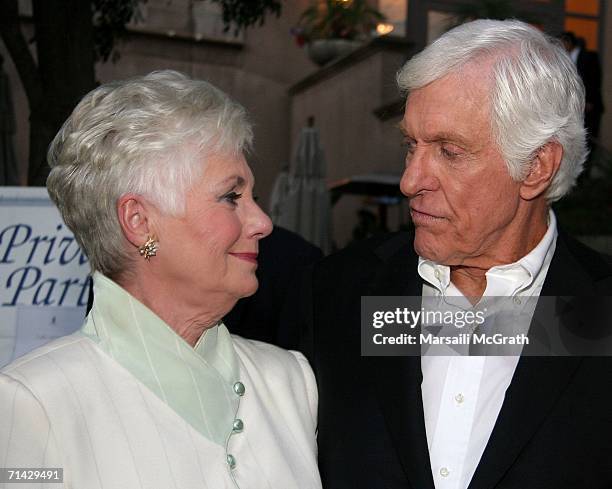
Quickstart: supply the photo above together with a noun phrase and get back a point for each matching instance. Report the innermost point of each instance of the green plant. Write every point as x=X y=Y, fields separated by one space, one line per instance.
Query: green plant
x=337 y=19
x=246 y=14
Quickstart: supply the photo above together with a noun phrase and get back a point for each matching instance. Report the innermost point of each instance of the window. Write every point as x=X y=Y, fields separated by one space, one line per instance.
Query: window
x=195 y=19
x=395 y=11
x=582 y=18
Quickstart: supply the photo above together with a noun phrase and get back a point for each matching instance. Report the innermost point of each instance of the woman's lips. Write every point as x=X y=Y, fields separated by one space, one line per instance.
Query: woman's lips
x=423 y=218
x=250 y=257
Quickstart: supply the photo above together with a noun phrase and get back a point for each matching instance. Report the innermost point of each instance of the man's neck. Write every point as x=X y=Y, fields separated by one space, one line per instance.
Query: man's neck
x=471 y=281
x=470 y=278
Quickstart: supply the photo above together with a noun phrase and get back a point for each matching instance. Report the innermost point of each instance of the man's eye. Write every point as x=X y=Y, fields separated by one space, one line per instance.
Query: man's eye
x=409 y=144
x=448 y=153
x=232 y=197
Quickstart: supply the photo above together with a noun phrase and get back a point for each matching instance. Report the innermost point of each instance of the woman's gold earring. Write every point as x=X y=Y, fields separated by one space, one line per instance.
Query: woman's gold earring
x=149 y=249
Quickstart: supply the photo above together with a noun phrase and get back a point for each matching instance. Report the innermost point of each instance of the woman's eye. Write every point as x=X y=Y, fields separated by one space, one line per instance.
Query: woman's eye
x=232 y=197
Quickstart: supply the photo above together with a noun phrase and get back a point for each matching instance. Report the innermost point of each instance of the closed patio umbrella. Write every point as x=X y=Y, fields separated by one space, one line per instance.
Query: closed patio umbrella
x=300 y=200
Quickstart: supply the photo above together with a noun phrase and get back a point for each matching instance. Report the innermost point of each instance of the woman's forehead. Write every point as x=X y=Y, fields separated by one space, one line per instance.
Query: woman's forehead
x=226 y=171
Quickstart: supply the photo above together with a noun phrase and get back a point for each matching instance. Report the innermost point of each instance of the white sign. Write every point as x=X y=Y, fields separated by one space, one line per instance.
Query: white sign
x=44 y=275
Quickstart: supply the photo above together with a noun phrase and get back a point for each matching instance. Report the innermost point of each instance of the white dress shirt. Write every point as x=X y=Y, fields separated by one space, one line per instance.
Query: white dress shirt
x=462 y=396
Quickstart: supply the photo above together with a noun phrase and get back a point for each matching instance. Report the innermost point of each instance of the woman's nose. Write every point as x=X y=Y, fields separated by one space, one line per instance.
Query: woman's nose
x=261 y=223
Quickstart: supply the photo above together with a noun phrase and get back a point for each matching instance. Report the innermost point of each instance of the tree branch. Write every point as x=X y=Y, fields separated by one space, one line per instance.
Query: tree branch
x=15 y=43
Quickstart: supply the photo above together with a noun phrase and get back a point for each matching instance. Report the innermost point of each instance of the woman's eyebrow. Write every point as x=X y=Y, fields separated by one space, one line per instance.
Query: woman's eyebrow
x=236 y=179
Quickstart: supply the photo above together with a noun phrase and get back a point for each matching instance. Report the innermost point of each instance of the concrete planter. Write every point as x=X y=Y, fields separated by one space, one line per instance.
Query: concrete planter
x=322 y=51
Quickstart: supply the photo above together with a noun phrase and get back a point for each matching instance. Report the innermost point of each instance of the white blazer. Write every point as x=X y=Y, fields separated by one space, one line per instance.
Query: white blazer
x=70 y=405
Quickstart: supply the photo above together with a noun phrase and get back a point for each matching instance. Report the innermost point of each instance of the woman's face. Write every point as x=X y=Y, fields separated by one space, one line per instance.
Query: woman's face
x=209 y=255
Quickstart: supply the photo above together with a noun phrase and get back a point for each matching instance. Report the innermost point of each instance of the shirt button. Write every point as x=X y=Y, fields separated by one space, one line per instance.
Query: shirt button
x=517 y=300
x=238 y=425
x=239 y=388
x=444 y=472
x=437 y=274
x=459 y=398
x=231 y=461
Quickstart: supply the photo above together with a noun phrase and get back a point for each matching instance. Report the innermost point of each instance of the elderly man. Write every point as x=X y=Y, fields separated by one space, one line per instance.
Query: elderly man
x=494 y=131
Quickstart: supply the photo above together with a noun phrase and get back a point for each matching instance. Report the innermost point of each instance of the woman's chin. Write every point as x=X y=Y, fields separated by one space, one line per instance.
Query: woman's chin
x=248 y=287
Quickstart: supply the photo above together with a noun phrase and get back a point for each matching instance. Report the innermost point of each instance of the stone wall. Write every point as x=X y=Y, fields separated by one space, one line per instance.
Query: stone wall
x=348 y=101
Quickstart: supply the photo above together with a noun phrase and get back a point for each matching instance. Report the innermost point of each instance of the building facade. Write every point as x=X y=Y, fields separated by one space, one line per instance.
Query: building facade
x=353 y=99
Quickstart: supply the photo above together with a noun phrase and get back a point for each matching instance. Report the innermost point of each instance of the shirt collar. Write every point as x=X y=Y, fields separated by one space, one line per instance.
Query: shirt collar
x=435 y=274
x=518 y=275
x=197 y=383
x=574 y=54
x=533 y=262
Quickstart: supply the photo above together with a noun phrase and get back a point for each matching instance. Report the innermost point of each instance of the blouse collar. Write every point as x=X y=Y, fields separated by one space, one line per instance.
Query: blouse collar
x=199 y=383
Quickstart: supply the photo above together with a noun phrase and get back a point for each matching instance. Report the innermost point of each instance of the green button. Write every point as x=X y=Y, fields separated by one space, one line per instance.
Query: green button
x=239 y=388
x=231 y=461
x=238 y=425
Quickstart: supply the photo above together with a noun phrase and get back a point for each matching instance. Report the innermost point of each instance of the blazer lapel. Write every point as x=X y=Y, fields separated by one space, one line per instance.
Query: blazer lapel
x=397 y=380
x=398 y=387
x=538 y=382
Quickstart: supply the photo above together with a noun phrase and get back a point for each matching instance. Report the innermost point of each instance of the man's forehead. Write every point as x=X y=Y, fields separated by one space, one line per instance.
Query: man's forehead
x=473 y=79
x=452 y=108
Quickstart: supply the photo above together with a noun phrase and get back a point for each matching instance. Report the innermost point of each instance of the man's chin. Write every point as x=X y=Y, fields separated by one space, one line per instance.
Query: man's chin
x=428 y=248
x=424 y=245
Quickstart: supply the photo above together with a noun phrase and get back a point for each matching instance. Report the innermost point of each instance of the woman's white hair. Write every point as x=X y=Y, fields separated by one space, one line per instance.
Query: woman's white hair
x=536 y=96
x=149 y=136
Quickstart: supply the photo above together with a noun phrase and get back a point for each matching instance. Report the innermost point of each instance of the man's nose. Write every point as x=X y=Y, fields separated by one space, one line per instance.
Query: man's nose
x=419 y=175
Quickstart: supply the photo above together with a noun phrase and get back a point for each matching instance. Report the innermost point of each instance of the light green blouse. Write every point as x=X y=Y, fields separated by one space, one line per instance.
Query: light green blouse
x=201 y=384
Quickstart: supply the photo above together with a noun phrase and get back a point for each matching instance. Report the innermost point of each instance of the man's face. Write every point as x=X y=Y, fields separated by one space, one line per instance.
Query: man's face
x=462 y=200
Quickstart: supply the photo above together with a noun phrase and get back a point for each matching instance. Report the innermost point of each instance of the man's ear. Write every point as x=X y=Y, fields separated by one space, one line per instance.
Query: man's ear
x=135 y=218
x=544 y=167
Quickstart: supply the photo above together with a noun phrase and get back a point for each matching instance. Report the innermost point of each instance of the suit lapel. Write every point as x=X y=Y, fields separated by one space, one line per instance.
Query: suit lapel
x=396 y=381
x=537 y=384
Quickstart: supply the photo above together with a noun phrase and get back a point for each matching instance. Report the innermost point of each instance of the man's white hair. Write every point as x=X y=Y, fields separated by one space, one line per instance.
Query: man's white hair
x=150 y=136
x=536 y=95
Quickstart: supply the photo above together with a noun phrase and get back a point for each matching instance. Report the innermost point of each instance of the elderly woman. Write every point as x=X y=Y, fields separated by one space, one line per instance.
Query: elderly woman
x=153 y=392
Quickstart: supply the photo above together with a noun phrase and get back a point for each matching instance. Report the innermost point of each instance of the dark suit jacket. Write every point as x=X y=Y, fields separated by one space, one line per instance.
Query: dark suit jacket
x=555 y=426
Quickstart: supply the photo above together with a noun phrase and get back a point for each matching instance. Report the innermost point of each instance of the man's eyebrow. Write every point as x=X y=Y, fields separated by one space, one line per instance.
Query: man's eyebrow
x=451 y=137
x=401 y=128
